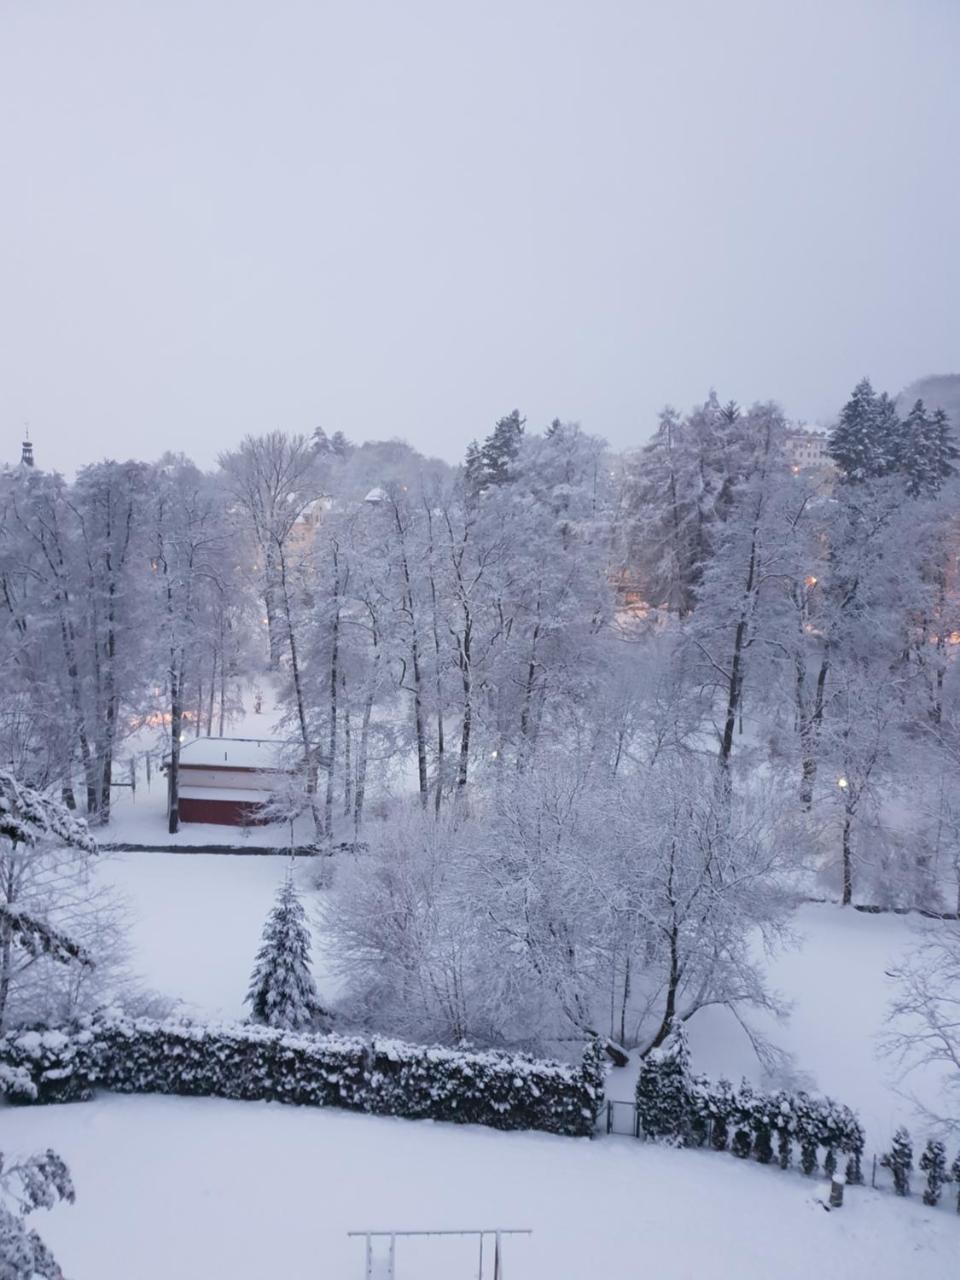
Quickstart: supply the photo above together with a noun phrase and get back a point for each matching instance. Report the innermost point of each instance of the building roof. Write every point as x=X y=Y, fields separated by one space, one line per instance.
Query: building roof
x=234 y=753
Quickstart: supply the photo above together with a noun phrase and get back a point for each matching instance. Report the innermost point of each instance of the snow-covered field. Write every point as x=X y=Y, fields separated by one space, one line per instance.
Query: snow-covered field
x=196 y=927
x=202 y=1188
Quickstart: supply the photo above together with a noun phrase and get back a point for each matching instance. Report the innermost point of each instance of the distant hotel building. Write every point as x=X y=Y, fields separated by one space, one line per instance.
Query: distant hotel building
x=807 y=450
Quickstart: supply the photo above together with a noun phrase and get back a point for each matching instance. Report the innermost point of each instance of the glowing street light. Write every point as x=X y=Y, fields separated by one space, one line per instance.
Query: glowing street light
x=842 y=783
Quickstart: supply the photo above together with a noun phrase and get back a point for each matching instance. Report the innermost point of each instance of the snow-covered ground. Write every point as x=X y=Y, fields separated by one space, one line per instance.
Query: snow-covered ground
x=195 y=928
x=201 y=1188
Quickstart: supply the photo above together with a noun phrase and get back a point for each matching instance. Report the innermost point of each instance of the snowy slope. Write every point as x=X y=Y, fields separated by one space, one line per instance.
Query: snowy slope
x=197 y=1188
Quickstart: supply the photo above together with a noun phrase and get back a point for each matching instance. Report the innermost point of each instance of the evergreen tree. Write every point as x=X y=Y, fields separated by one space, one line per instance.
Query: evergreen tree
x=955 y=1177
x=943 y=447
x=886 y=435
x=899 y=1160
x=282 y=992
x=927 y=451
x=500 y=449
x=861 y=443
x=663 y=1088
x=473 y=474
x=933 y=1162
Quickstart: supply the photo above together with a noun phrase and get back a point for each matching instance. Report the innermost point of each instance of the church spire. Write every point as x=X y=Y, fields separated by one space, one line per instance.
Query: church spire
x=26 y=451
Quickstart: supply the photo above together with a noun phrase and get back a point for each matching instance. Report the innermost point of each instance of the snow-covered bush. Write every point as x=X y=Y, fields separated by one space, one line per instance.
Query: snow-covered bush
x=38 y=1182
x=504 y=1091
x=50 y=1066
x=933 y=1162
x=899 y=1160
x=663 y=1087
x=718 y=1115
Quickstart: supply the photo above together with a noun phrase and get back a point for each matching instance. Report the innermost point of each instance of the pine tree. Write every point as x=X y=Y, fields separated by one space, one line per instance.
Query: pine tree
x=860 y=442
x=899 y=1160
x=933 y=1162
x=473 y=474
x=927 y=451
x=886 y=436
x=915 y=440
x=500 y=449
x=282 y=992
x=340 y=445
x=663 y=1088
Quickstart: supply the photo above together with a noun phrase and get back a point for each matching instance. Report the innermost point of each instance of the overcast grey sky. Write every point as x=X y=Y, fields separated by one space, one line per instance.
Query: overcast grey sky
x=408 y=217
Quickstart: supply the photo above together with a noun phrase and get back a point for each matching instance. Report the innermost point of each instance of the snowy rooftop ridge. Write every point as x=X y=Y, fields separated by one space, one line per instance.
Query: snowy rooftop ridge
x=234 y=753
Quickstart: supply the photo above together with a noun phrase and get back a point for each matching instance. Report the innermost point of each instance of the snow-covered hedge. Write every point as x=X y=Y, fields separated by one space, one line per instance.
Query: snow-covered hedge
x=386 y=1077
x=682 y=1108
x=49 y=1066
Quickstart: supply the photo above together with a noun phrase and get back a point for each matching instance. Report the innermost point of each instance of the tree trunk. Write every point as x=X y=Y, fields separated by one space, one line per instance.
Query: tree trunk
x=173 y=777
x=334 y=694
x=847 y=861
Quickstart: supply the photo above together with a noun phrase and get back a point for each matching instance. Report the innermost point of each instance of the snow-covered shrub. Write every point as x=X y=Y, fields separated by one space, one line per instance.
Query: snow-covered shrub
x=505 y=1091
x=232 y=1061
x=717 y=1114
x=663 y=1088
x=899 y=1160
x=49 y=1066
x=933 y=1162
x=502 y=1090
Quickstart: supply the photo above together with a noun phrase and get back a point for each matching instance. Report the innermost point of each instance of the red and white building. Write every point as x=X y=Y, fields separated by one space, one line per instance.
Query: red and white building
x=227 y=781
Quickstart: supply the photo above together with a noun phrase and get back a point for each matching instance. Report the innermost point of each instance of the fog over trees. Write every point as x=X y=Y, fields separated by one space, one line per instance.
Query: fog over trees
x=583 y=725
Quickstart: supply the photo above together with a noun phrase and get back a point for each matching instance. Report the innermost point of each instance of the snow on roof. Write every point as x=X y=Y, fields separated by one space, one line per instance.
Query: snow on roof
x=379 y=494
x=234 y=753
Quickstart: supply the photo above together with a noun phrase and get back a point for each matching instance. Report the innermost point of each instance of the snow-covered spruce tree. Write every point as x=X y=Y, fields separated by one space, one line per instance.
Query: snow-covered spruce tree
x=955 y=1177
x=862 y=443
x=38 y=1182
x=927 y=451
x=899 y=1160
x=282 y=992
x=933 y=1162
x=663 y=1089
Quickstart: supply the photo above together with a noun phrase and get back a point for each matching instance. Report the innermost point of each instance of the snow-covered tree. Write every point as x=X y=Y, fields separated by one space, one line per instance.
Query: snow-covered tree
x=899 y=1160
x=663 y=1087
x=282 y=991
x=37 y=1182
x=864 y=442
x=925 y=1012
x=933 y=1163
x=49 y=914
